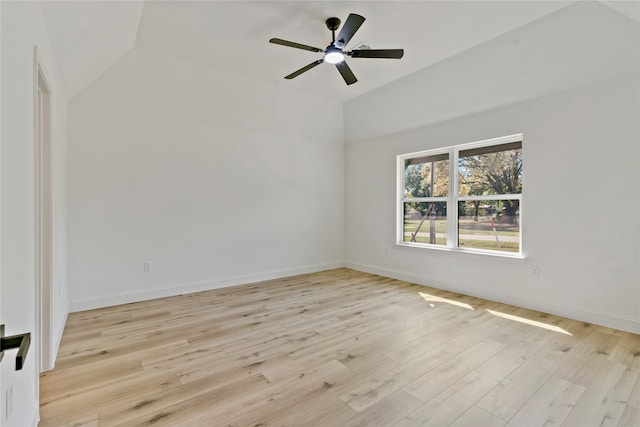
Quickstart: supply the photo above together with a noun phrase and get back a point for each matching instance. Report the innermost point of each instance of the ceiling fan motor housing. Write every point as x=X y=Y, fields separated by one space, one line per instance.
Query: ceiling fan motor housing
x=333 y=23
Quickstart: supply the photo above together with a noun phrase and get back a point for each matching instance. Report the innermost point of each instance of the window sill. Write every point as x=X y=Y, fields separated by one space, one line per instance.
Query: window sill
x=463 y=250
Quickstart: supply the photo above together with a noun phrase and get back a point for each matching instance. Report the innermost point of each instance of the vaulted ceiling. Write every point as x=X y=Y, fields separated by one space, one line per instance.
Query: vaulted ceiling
x=90 y=36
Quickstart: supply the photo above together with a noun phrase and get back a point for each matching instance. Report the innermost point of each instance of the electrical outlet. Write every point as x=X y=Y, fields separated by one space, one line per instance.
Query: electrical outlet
x=147 y=266
x=535 y=270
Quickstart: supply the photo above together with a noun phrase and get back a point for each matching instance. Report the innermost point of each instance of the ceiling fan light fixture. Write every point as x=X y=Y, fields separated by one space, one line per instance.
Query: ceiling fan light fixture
x=333 y=55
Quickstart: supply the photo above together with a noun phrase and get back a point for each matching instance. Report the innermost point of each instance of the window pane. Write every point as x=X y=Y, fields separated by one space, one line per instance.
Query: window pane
x=425 y=222
x=490 y=170
x=426 y=176
x=489 y=224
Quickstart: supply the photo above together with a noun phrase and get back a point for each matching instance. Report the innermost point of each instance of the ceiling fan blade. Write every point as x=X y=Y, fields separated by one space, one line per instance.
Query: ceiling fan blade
x=303 y=69
x=346 y=73
x=296 y=45
x=348 y=30
x=377 y=53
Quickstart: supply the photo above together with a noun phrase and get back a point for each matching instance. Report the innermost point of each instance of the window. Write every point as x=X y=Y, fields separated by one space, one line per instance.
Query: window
x=473 y=206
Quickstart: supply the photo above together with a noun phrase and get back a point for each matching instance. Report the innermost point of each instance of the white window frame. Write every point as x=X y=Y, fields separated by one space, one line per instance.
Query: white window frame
x=453 y=197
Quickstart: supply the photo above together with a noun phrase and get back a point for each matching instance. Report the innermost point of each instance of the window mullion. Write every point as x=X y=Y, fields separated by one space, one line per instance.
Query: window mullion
x=452 y=209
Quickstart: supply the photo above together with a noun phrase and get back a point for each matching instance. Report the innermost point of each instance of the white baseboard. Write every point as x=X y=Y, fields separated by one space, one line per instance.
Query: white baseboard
x=587 y=315
x=185 y=288
x=610 y=320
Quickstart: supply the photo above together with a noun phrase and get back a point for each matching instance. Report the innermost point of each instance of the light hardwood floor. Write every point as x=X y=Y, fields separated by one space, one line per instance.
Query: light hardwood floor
x=338 y=348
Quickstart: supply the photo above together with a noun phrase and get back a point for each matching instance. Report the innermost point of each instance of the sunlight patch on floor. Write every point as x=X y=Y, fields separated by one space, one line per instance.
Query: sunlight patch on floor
x=529 y=322
x=432 y=298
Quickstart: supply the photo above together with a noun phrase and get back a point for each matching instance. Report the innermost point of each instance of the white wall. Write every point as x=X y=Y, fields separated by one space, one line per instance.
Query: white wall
x=581 y=148
x=22 y=27
x=214 y=178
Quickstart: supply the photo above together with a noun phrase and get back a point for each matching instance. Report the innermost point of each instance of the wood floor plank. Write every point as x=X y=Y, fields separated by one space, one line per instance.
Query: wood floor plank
x=434 y=382
x=630 y=417
x=515 y=354
x=587 y=357
x=549 y=406
x=480 y=329
x=378 y=388
x=337 y=348
x=293 y=368
x=137 y=390
x=387 y=412
x=476 y=416
x=634 y=399
x=60 y=383
x=277 y=405
x=259 y=405
x=188 y=400
x=604 y=405
x=506 y=399
x=449 y=405
x=426 y=340
x=228 y=370
x=627 y=351
x=88 y=421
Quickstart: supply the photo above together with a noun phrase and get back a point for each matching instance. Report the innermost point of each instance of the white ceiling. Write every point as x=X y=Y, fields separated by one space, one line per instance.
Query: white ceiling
x=90 y=36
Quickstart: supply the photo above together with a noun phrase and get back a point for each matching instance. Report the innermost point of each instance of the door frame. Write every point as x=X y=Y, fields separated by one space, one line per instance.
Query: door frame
x=43 y=213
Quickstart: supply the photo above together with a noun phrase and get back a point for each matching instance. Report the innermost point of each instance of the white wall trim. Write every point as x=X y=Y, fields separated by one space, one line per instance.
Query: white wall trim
x=602 y=318
x=185 y=288
x=56 y=344
x=34 y=414
x=597 y=317
x=43 y=213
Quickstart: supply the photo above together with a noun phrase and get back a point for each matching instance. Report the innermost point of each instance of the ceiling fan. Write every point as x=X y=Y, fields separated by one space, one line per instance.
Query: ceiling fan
x=335 y=53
